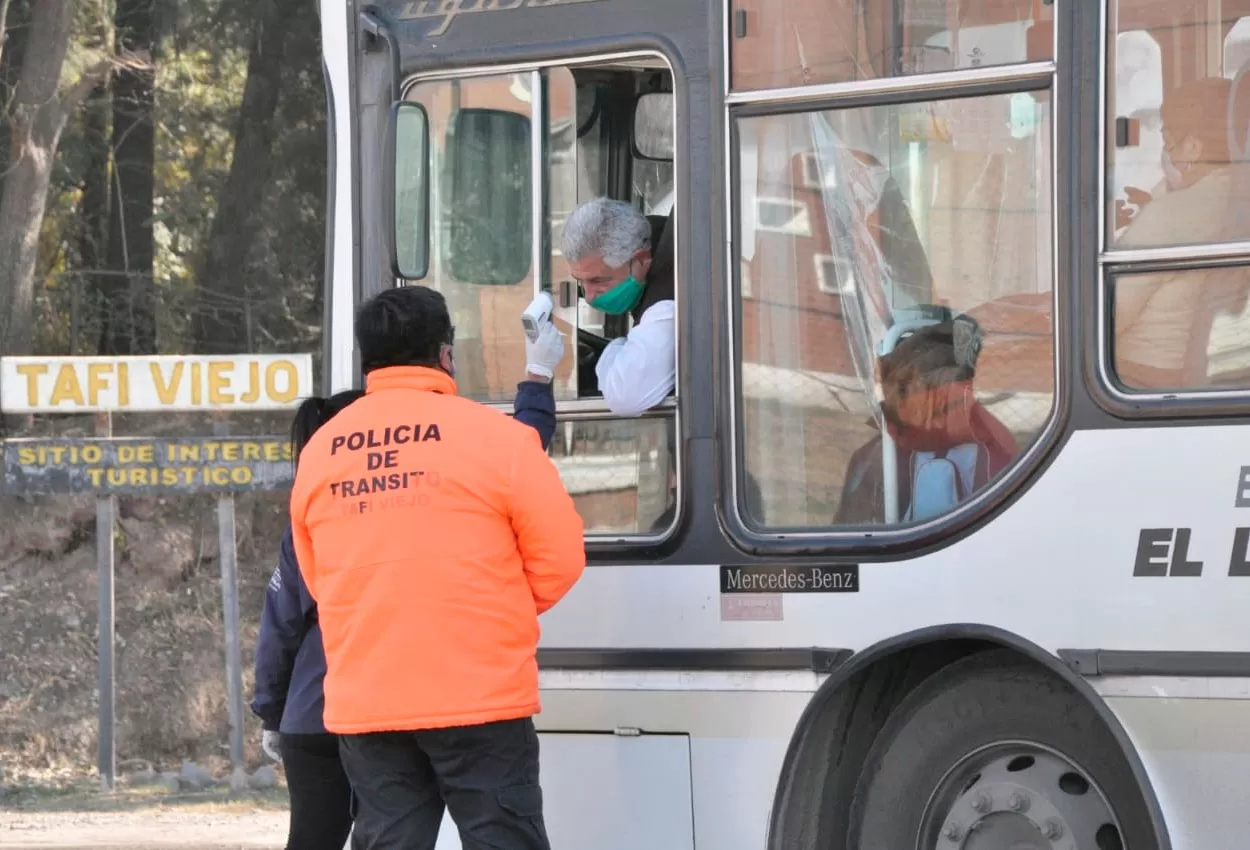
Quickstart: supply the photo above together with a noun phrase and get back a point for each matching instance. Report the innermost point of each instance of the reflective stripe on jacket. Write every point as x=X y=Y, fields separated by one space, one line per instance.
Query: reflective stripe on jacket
x=431 y=531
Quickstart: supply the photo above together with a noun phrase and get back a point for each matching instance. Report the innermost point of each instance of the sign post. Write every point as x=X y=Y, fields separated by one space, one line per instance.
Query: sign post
x=109 y=466
x=105 y=515
x=228 y=546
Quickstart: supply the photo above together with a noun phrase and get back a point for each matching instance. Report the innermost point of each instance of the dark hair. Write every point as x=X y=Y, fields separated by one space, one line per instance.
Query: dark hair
x=404 y=326
x=315 y=412
x=929 y=357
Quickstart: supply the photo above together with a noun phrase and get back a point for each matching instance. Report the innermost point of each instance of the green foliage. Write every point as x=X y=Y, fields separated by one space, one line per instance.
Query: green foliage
x=201 y=68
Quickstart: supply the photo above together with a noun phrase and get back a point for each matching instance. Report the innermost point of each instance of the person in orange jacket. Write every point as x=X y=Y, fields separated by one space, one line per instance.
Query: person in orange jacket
x=432 y=531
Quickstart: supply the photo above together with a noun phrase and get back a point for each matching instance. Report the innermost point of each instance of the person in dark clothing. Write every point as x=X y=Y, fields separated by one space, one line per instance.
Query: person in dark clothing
x=290 y=659
x=290 y=667
x=434 y=698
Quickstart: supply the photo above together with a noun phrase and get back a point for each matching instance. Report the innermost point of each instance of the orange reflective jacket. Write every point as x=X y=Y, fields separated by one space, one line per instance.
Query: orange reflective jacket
x=432 y=531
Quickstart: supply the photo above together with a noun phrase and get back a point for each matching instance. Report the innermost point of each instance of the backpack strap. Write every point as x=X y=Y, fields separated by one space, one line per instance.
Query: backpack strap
x=942 y=479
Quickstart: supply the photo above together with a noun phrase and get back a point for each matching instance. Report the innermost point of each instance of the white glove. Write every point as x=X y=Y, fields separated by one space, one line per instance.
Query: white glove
x=545 y=353
x=269 y=743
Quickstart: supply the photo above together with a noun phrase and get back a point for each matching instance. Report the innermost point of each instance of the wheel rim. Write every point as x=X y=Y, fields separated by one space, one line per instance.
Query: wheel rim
x=1018 y=795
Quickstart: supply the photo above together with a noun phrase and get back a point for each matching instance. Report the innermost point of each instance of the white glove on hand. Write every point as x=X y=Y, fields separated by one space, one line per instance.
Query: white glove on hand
x=545 y=353
x=269 y=743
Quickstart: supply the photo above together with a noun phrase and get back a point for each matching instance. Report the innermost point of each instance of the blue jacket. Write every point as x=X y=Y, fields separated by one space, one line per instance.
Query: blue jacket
x=290 y=662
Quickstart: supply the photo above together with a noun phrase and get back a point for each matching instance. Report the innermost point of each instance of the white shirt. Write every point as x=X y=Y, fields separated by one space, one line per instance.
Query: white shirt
x=638 y=371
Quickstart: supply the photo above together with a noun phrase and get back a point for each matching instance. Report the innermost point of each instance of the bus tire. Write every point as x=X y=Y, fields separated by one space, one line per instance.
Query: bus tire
x=994 y=752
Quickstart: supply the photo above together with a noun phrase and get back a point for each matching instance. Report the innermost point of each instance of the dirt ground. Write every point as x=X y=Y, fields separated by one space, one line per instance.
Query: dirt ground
x=83 y=819
x=170 y=644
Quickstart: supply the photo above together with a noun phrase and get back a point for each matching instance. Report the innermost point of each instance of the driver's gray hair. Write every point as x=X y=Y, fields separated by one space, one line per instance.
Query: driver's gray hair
x=613 y=228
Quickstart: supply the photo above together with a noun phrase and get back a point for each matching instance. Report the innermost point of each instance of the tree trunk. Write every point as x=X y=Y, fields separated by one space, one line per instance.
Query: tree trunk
x=91 y=282
x=4 y=17
x=37 y=120
x=5 y=5
x=13 y=33
x=128 y=318
x=221 y=316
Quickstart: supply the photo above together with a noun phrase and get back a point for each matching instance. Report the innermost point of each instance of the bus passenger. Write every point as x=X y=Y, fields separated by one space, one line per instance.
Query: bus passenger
x=933 y=417
x=609 y=245
x=290 y=659
x=1162 y=321
x=432 y=531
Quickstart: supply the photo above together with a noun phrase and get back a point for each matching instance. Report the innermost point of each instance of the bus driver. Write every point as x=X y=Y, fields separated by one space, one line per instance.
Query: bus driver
x=608 y=245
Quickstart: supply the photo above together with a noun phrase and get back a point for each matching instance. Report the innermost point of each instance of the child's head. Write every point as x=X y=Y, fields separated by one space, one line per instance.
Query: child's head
x=926 y=381
x=315 y=412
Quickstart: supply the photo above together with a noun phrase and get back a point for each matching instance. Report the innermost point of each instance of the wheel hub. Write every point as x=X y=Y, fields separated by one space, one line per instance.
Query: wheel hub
x=1005 y=831
x=1018 y=797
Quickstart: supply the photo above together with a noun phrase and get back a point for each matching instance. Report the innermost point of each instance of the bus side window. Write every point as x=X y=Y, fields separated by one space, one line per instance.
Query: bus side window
x=652 y=154
x=621 y=471
x=465 y=168
x=482 y=234
x=896 y=338
x=1181 y=73
x=836 y=41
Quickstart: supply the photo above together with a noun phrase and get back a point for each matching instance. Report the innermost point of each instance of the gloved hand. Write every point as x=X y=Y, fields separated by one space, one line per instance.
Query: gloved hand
x=269 y=743
x=544 y=353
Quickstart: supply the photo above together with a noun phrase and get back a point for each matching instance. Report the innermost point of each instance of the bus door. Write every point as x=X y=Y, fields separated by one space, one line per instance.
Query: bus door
x=489 y=146
x=503 y=120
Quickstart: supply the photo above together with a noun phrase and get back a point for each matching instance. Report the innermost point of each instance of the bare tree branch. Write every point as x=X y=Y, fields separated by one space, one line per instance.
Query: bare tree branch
x=98 y=73
x=4 y=25
x=69 y=100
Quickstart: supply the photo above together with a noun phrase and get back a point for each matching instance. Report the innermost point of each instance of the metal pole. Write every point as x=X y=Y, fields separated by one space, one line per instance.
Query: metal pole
x=230 y=615
x=104 y=518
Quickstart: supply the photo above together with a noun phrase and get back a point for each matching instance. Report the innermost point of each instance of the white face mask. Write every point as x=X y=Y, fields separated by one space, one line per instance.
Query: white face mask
x=1174 y=176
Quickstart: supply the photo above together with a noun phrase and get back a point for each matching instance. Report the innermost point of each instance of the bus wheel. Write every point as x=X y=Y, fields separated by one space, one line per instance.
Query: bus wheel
x=992 y=753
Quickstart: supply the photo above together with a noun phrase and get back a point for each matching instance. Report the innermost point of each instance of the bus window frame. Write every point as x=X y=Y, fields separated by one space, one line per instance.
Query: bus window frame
x=1148 y=261
x=1117 y=262
x=748 y=94
x=580 y=410
x=890 y=541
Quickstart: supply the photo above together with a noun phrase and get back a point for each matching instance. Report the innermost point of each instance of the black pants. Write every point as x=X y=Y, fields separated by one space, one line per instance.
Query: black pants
x=486 y=776
x=321 y=796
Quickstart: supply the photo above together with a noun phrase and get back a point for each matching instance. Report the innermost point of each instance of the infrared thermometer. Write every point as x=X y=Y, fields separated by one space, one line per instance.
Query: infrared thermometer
x=537 y=314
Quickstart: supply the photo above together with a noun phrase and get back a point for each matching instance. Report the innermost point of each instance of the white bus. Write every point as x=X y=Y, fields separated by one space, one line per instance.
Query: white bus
x=941 y=540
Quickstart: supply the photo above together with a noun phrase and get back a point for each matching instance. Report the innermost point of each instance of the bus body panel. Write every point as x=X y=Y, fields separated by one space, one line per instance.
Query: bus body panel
x=545 y=31
x=611 y=792
x=1063 y=582
x=336 y=49
x=1196 y=751
x=1067 y=583
x=626 y=791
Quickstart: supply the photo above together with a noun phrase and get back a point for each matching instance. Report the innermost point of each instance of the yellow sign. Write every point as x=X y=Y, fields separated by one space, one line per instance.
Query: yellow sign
x=172 y=383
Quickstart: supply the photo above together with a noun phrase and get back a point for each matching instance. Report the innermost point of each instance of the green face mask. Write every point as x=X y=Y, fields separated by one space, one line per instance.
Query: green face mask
x=619 y=299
